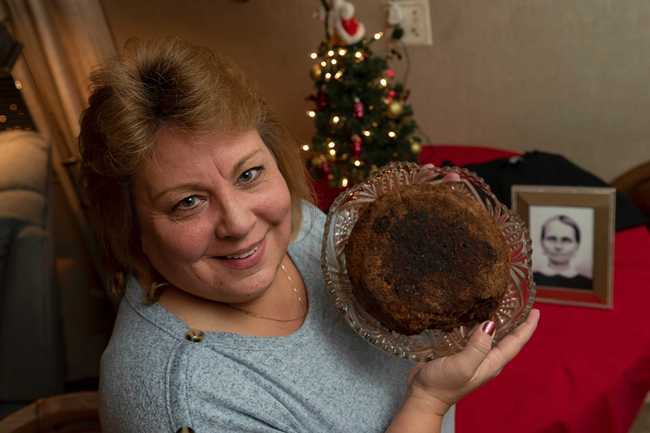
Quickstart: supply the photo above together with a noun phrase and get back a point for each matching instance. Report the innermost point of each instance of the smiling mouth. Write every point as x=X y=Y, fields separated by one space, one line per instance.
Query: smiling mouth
x=243 y=255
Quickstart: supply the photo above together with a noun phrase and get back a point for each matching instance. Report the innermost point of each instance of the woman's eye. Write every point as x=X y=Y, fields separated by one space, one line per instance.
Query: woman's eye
x=189 y=202
x=250 y=175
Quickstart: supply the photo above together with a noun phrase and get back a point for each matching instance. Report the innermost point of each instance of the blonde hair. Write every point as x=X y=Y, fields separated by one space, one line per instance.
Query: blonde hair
x=160 y=84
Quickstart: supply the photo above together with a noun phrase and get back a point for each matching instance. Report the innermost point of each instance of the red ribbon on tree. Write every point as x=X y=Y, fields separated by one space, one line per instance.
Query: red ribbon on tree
x=356 y=145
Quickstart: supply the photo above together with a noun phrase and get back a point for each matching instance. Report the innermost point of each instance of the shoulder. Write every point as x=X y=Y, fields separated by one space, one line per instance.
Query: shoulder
x=312 y=223
x=576 y=282
x=306 y=246
x=153 y=379
x=141 y=370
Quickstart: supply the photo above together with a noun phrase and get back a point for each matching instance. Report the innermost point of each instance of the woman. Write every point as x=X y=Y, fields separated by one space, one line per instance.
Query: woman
x=200 y=201
x=560 y=241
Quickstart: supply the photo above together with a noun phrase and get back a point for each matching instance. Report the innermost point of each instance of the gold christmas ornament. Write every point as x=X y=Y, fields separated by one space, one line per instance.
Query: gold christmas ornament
x=395 y=108
x=416 y=147
x=316 y=71
x=318 y=160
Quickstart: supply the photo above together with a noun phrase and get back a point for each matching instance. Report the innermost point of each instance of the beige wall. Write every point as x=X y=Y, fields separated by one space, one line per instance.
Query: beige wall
x=565 y=76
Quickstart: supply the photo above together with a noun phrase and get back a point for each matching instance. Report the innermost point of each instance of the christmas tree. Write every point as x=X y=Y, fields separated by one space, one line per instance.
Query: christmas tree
x=359 y=109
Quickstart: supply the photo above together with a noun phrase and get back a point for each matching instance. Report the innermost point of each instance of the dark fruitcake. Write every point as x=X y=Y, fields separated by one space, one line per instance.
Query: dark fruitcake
x=428 y=257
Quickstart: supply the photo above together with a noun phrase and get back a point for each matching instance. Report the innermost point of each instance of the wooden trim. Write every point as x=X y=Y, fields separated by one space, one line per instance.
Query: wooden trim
x=632 y=178
x=635 y=183
x=58 y=413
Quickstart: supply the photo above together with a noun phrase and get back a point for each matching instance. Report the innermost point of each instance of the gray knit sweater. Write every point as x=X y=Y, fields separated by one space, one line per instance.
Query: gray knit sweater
x=322 y=378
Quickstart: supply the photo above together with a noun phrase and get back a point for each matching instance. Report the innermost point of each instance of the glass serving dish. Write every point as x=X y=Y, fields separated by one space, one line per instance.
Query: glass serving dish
x=429 y=344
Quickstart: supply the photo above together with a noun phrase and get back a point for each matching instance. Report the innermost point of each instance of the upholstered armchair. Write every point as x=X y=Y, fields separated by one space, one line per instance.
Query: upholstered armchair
x=31 y=348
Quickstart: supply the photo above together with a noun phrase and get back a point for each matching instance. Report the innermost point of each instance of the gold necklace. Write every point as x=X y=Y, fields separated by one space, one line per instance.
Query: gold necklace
x=260 y=316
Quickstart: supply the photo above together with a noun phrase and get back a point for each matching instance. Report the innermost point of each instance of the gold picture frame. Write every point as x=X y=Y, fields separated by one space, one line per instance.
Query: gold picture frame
x=572 y=233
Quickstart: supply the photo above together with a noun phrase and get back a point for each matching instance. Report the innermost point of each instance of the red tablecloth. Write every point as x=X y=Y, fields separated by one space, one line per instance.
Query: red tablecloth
x=461 y=155
x=456 y=155
x=586 y=370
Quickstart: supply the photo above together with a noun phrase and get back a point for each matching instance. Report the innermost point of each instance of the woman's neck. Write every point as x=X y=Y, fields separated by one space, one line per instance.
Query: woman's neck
x=277 y=312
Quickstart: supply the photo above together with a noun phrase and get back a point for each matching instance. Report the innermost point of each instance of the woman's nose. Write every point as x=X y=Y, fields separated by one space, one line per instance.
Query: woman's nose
x=235 y=219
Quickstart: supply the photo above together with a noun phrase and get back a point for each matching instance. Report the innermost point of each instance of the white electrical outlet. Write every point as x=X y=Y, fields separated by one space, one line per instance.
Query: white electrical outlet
x=415 y=20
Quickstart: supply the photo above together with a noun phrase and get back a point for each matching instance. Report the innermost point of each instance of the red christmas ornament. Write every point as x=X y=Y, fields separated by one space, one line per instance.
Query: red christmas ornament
x=356 y=145
x=358 y=108
x=326 y=168
x=321 y=100
x=390 y=73
x=391 y=96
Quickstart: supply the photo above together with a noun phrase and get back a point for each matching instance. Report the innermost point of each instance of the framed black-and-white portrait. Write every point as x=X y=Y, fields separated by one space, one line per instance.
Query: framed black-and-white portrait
x=572 y=235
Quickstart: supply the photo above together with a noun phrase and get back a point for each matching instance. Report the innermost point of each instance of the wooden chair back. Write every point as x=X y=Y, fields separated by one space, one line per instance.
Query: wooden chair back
x=636 y=184
x=66 y=413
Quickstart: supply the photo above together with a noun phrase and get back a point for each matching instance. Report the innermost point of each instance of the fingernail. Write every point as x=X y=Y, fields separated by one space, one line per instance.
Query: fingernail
x=451 y=177
x=428 y=166
x=489 y=327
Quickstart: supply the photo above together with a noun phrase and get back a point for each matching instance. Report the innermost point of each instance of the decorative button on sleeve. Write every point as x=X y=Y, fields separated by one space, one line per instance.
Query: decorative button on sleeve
x=195 y=336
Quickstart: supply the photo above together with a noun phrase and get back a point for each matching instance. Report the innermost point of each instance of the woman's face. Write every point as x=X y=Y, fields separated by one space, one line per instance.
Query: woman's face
x=214 y=214
x=559 y=242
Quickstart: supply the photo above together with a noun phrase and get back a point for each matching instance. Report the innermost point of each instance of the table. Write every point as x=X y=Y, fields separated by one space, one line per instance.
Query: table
x=585 y=370
x=437 y=155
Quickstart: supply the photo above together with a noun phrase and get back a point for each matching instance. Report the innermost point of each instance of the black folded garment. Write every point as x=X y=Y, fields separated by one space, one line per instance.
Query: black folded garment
x=541 y=168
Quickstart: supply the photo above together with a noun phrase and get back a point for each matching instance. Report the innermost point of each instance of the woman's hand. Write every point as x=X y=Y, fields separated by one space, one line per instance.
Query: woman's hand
x=438 y=384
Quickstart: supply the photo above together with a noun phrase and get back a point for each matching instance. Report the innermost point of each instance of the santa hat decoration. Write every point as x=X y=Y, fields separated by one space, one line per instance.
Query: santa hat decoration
x=343 y=24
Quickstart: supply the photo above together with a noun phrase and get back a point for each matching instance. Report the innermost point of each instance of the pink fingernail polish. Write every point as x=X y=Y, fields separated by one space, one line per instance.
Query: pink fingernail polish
x=451 y=177
x=489 y=327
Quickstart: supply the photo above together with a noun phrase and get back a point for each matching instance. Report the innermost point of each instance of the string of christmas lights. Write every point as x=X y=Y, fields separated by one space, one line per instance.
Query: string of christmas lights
x=359 y=108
